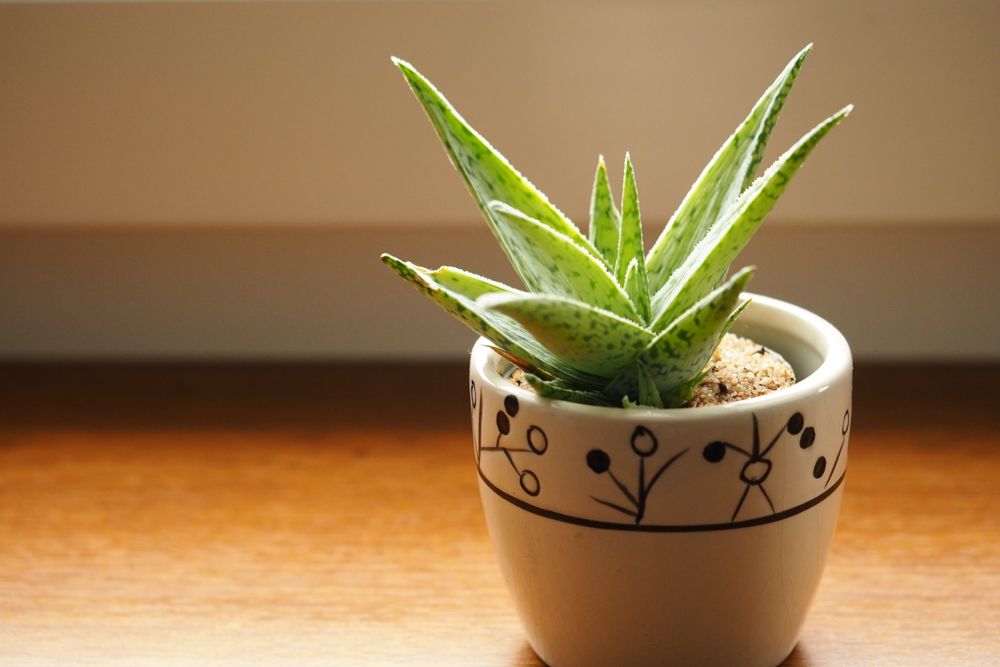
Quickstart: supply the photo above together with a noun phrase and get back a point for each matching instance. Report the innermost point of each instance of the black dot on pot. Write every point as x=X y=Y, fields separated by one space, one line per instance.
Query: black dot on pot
x=511 y=405
x=598 y=460
x=820 y=467
x=714 y=451
x=472 y=392
x=503 y=423
x=807 y=438
x=795 y=423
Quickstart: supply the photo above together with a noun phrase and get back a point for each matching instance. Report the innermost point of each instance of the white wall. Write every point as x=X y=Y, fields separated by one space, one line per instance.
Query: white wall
x=199 y=179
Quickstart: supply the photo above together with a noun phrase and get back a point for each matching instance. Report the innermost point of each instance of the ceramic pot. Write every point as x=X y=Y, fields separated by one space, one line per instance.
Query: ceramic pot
x=668 y=537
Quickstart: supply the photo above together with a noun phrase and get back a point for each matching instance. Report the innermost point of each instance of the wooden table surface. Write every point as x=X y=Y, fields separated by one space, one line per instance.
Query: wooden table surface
x=329 y=515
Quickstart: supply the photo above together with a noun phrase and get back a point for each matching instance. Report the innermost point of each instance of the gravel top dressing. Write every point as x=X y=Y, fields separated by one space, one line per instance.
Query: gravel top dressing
x=739 y=369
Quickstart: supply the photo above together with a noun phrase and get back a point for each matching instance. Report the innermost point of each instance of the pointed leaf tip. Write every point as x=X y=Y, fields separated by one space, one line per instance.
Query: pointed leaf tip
x=604 y=217
x=727 y=175
x=487 y=174
x=404 y=66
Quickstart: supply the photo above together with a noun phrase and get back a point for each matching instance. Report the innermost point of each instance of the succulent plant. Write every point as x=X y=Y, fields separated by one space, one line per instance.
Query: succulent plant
x=601 y=321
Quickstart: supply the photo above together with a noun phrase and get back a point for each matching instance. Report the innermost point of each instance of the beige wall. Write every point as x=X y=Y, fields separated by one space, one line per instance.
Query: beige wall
x=261 y=113
x=205 y=180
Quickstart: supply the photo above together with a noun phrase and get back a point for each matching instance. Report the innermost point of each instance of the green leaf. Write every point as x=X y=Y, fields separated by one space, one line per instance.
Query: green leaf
x=465 y=283
x=593 y=340
x=557 y=390
x=705 y=267
x=456 y=292
x=604 y=217
x=681 y=351
x=630 y=235
x=730 y=171
x=637 y=287
x=682 y=393
x=550 y=263
x=649 y=394
x=487 y=173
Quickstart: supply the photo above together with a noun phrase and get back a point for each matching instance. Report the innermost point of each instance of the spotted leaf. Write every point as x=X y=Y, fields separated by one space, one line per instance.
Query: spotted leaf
x=678 y=353
x=594 y=340
x=730 y=171
x=604 y=217
x=630 y=235
x=705 y=267
x=637 y=287
x=550 y=263
x=558 y=390
x=487 y=173
x=457 y=291
x=649 y=393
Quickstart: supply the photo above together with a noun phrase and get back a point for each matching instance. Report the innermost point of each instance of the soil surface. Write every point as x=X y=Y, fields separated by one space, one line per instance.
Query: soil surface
x=739 y=369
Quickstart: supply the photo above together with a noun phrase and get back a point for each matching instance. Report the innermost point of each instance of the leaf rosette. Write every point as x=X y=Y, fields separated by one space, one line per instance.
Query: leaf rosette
x=600 y=320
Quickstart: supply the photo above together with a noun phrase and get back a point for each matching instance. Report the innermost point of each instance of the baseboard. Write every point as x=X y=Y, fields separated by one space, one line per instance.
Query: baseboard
x=898 y=292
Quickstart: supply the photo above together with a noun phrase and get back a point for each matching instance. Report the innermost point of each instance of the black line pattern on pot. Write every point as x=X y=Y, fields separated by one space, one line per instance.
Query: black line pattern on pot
x=757 y=468
x=477 y=401
x=654 y=528
x=644 y=445
x=535 y=438
x=845 y=427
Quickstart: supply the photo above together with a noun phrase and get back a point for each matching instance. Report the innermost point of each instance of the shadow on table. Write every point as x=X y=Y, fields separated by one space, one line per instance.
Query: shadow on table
x=233 y=396
x=317 y=396
x=957 y=397
x=526 y=657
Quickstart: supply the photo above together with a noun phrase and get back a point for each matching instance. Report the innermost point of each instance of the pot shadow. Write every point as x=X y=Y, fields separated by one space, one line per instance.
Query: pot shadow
x=799 y=657
x=526 y=657
x=312 y=397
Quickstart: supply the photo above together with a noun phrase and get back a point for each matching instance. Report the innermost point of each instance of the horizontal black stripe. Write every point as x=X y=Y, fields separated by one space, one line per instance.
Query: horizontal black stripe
x=694 y=528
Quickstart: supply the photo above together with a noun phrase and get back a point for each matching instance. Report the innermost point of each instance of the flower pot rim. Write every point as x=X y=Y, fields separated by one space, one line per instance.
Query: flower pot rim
x=827 y=342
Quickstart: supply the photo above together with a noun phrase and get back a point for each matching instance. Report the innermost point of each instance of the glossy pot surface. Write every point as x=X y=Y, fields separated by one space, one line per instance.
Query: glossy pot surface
x=684 y=536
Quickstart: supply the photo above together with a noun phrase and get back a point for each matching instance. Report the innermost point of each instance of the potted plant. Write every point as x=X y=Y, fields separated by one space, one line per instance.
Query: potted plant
x=632 y=530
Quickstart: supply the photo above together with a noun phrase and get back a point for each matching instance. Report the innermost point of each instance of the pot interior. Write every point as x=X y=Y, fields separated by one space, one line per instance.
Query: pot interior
x=786 y=333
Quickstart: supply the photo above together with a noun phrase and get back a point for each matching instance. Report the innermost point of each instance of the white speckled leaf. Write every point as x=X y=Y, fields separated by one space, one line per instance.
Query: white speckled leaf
x=649 y=394
x=594 y=340
x=604 y=217
x=630 y=234
x=550 y=263
x=730 y=171
x=710 y=260
x=487 y=173
x=457 y=292
x=681 y=351
x=558 y=390
x=465 y=283
x=637 y=287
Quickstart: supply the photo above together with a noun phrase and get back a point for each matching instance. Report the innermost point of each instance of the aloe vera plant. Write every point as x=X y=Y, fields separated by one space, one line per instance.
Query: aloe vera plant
x=601 y=321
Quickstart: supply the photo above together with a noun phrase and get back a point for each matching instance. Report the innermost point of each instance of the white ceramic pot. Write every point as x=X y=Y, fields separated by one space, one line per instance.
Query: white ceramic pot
x=668 y=537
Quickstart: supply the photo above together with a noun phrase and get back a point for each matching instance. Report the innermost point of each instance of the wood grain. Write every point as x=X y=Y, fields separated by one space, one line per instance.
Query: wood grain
x=328 y=515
